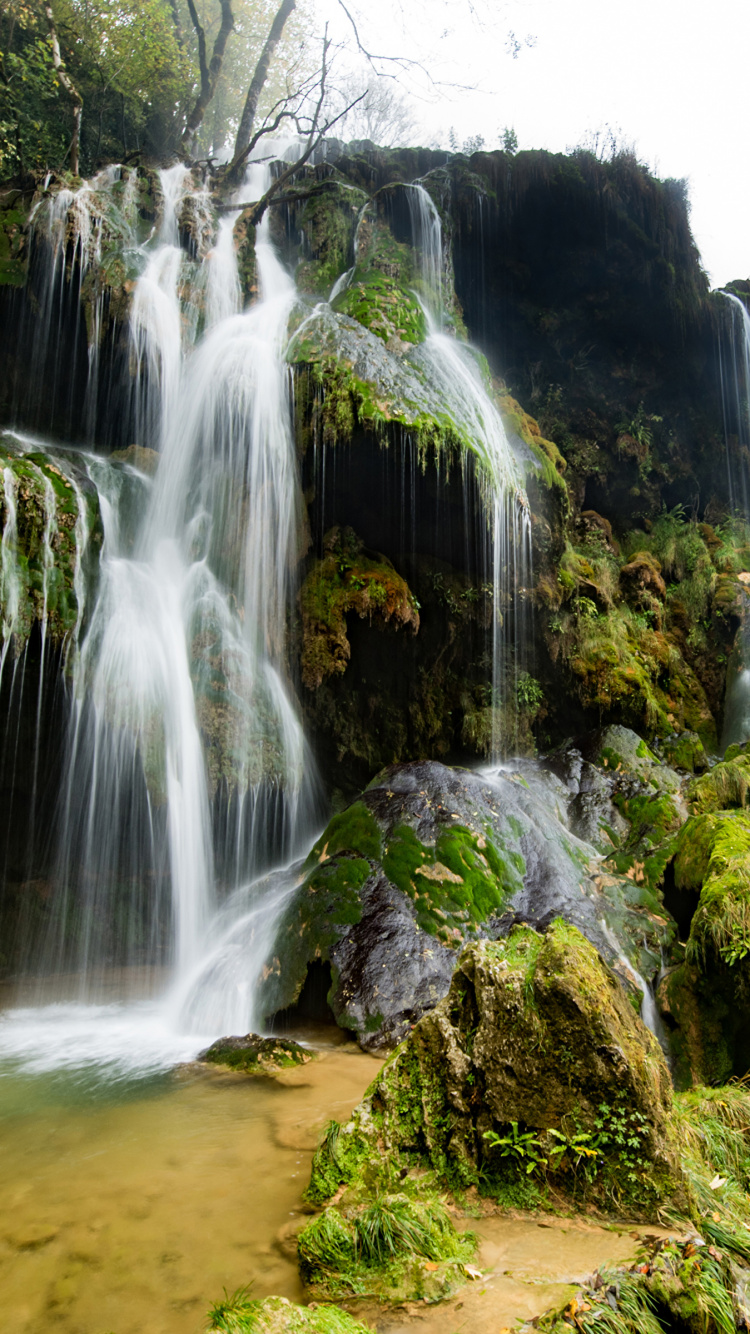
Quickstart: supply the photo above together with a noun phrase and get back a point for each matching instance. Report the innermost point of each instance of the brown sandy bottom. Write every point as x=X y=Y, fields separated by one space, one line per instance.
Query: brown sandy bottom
x=131 y=1217
x=531 y=1265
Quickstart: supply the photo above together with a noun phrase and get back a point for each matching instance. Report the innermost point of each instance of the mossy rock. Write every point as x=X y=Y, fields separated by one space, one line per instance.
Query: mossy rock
x=726 y=786
x=393 y=1246
x=549 y=461
x=686 y=751
x=256 y=1055
x=347 y=579
x=41 y=580
x=327 y=218
x=535 y=1033
x=277 y=1315
x=705 y=996
x=428 y=858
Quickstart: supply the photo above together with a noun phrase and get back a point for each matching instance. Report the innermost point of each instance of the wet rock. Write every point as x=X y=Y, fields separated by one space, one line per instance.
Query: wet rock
x=428 y=858
x=704 y=997
x=534 y=1031
x=255 y=1055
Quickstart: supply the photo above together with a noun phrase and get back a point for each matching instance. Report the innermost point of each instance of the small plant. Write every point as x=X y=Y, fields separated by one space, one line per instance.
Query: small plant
x=586 y=608
x=231 y=1315
x=529 y=693
x=579 y=1146
x=523 y=1146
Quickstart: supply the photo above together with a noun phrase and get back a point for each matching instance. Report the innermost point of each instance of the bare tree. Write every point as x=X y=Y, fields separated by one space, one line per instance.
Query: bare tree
x=317 y=126
x=382 y=113
x=69 y=87
x=250 y=109
x=209 y=72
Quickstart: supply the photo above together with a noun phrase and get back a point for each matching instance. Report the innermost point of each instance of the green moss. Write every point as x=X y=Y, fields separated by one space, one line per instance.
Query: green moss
x=327 y=217
x=354 y=830
x=238 y=1313
x=647 y=848
x=379 y=295
x=726 y=786
x=463 y=880
x=256 y=1055
x=347 y=579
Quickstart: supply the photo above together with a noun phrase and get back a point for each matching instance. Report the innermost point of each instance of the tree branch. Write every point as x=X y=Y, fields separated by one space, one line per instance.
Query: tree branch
x=315 y=138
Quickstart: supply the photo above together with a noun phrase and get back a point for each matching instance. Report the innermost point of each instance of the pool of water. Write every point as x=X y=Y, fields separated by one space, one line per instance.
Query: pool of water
x=136 y=1189
x=137 y=1185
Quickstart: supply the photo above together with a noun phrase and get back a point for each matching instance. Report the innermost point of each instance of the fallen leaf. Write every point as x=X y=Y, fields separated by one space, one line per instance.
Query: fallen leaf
x=471 y=1271
x=718 y=1182
x=431 y=1265
x=716 y=1218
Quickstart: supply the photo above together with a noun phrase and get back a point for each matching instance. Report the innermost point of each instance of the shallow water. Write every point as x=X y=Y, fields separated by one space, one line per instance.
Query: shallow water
x=135 y=1190
x=129 y=1203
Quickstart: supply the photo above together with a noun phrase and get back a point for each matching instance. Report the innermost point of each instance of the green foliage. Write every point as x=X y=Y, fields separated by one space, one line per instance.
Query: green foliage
x=524 y=1147
x=529 y=694
x=126 y=61
x=232 y=1315
x=371 y=1247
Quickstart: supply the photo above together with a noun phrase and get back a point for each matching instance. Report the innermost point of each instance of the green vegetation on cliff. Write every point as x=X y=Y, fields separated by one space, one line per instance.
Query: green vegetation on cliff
x=347 y=579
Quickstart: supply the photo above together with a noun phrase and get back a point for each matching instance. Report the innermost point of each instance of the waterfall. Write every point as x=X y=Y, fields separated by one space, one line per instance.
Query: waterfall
x=649 y=1013
x=455 y=367
x=186 y=766
x=186 y=769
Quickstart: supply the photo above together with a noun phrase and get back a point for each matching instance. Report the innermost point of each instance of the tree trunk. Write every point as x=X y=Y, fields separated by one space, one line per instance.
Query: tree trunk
x=259 y=78
x=69 y=87
x=209 y=73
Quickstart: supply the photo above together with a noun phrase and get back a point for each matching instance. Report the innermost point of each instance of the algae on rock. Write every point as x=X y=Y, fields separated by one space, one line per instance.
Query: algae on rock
x=347 y=578
x=535 y=1032
x=428 y=858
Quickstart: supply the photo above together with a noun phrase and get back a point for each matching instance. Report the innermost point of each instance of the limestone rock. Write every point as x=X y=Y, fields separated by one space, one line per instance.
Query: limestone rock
x=535 y=1033
x=428 y=858
x=255 y=1055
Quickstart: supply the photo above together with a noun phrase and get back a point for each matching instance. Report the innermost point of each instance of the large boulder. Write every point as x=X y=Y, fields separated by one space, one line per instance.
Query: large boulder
x=428 y=858
x=534 y=1062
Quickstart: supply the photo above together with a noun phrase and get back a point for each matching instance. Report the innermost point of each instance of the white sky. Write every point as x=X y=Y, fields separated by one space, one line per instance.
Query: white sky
x=668 y=75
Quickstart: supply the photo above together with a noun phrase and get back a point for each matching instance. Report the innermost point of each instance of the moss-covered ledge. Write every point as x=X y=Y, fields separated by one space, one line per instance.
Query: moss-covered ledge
x=347 y=578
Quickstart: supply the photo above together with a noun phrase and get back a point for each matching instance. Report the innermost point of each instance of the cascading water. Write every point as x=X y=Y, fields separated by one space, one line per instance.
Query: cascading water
x=186 y=766
x=734 y=365
x=508 y=550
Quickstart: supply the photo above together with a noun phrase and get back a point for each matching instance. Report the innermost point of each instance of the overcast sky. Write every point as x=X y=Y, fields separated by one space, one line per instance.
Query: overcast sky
x=667 y=75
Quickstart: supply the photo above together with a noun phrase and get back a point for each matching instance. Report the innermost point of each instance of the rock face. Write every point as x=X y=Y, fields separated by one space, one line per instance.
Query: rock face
x=535 y=1037
x=428 y=858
